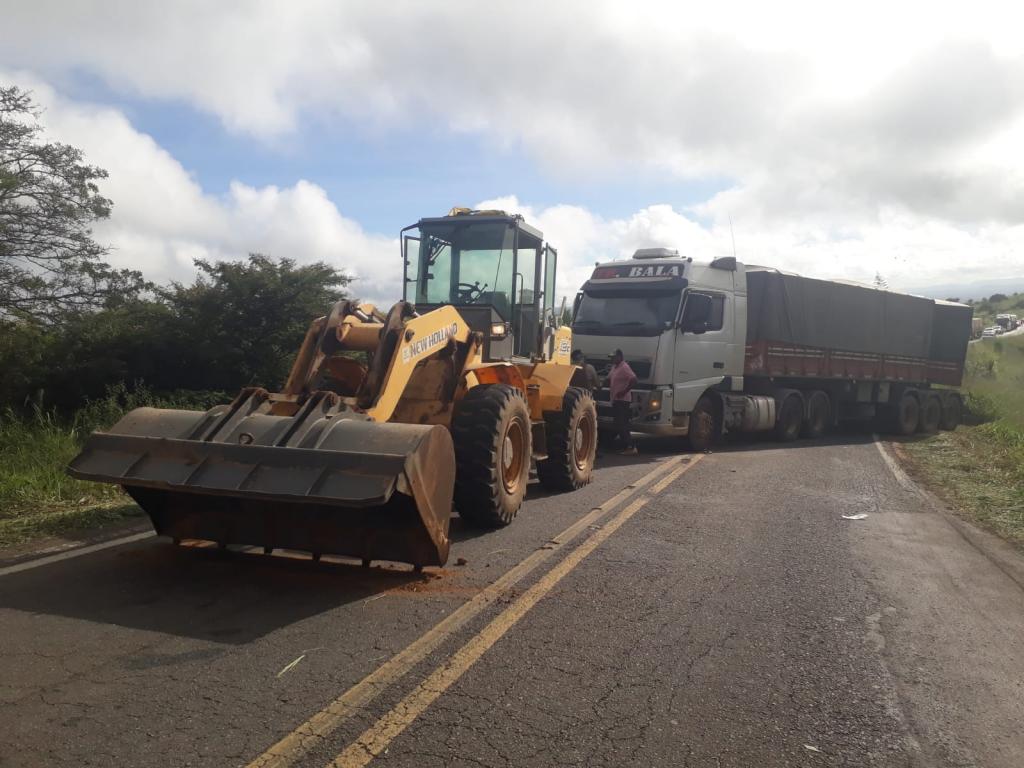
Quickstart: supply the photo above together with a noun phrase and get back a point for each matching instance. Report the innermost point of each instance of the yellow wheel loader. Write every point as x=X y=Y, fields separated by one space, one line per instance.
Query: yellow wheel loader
x=386 y=420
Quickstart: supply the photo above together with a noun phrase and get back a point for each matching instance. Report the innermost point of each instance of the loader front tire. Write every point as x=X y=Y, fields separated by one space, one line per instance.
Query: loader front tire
x=491 y=432
x=572 y=443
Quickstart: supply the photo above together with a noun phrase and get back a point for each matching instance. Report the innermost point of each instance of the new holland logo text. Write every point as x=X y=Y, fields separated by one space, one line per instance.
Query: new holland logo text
x=427 y=343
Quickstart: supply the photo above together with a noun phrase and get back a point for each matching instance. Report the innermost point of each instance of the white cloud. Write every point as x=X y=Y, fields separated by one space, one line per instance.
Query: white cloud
x=808 y=106
x=911 y=253
x=882 y=138
x=162 y=219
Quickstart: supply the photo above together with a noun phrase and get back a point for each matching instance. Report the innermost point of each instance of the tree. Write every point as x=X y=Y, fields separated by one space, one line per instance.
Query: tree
x=245 y=320
x=49 y=198
x=995 y=298
x=239 y=323
x=880 y=282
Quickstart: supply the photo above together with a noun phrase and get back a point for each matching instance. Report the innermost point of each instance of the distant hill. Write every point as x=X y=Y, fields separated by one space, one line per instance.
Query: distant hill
x=980 y=289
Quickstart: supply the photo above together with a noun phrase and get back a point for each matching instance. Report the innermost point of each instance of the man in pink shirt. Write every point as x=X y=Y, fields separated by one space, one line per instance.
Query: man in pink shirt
x=621 y=380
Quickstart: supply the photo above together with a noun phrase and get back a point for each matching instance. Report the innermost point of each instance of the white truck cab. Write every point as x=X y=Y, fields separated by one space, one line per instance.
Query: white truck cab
x=680 y=324
x=721 y=346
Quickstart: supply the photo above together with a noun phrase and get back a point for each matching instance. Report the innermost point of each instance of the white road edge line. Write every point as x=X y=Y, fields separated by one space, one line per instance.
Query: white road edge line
x=901 y=477
x=49 y=559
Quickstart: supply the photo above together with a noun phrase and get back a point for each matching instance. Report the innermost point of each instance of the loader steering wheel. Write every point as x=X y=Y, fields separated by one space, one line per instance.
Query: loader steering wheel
x=470 y=292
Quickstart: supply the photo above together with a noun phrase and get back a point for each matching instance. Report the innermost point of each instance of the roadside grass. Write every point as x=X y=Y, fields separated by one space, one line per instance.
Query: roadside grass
x=979 y=469
x=37 y=497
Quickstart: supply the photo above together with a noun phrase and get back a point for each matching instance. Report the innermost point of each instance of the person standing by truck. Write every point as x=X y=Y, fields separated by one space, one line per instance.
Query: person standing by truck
x=589 y=372
x=621 y=381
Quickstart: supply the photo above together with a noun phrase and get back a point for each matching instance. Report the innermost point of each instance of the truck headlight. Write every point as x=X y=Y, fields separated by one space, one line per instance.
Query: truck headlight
x=654 y=403
x=499 y=330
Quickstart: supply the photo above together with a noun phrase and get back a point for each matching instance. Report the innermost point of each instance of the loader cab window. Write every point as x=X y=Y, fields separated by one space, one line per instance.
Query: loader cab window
x=465 y=263
x=526 y=322
x=550 y=267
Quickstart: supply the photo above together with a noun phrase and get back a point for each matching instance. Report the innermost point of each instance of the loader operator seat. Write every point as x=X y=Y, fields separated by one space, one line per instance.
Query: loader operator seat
x=498 y=300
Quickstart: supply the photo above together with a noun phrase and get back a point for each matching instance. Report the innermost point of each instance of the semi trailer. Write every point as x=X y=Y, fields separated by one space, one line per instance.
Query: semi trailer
x=725 y=347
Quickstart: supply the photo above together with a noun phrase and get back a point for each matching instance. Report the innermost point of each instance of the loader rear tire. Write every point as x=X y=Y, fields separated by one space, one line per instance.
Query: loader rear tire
x=572 y=443
x=491 y=432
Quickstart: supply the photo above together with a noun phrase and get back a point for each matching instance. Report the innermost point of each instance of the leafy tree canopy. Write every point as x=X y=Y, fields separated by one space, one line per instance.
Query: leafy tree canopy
x=238 y=324
x=49 y=198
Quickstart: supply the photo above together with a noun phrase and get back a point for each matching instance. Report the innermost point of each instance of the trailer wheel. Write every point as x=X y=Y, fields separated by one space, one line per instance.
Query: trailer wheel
x=491 y=432
x=572 y=443
x=930 y=416
x=819 y=411
x=791 y=417
x=703 y=431
x=906 y=414
x=952 y=412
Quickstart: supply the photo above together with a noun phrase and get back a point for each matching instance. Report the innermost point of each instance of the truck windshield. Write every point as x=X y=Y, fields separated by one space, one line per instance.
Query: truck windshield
x=626 y=314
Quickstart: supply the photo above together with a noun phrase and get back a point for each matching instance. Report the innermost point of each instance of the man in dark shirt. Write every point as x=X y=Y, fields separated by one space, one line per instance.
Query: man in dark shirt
x=589 y=372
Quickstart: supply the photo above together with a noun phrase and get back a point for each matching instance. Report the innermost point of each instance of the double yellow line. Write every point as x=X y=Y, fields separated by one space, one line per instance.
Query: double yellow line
x=375 y=739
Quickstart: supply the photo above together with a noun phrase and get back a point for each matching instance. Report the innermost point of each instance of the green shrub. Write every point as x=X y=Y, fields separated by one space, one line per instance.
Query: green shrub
x=34 y=450
x=36 y=446
x=982 y=408
x=119 y=399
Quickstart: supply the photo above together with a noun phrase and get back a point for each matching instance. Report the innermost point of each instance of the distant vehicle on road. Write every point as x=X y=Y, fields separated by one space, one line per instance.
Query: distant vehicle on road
x=989 y=332
x=1008 y=322
x=723 y=347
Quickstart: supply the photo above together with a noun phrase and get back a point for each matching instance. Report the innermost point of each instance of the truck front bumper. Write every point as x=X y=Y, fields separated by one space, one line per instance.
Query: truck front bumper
x=650 y=413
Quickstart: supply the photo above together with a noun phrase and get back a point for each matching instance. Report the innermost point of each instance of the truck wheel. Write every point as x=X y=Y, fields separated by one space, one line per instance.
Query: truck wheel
x=906 y=415
x=819 y=411
x=703 y=431
x=491 y=432
x=791 y=417
x=572 y=443
x=952 y=412
x=930 y=416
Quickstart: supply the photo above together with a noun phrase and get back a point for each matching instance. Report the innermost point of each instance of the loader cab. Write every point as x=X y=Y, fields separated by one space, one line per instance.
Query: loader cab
x=494 y=267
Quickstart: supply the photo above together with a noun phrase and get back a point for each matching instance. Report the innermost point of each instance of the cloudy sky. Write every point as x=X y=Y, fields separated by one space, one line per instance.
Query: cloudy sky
x=839 y=140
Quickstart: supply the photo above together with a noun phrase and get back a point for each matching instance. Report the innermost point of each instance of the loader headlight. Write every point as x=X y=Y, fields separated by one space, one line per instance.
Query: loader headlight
x=499 y=330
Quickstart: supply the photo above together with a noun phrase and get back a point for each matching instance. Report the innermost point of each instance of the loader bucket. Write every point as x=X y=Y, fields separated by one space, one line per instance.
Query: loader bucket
x=315 y=481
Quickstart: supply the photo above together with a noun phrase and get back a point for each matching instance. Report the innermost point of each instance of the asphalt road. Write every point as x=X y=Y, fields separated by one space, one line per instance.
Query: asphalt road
x=706 y=611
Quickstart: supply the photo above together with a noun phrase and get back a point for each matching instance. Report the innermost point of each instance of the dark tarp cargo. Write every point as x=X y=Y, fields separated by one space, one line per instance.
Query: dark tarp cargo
x=951 y=331
x=895 y=334
x=792 y=309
